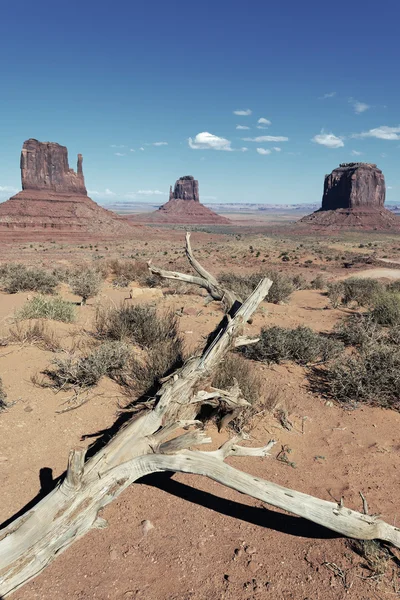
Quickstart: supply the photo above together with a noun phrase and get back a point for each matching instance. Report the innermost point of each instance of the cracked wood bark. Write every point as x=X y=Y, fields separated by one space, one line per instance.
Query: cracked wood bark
x=33 y=540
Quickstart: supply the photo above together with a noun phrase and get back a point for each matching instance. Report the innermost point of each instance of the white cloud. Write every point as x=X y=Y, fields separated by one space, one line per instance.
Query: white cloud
x=150 y=193
x=116 y=146
x=208 y=141
x=8 y=189
x=328 y=139
x=209 y=198
x=142 y=149
x=359 y=107
x=242 y=127
x=263 y=123
x=119 y=154
x=263 y=151
x=132 y=150
x=329 y=95
x=356 y=153
x=157 y=144
x=267 y=138
x=276 y=149
x=382 y=133
x=106 y=192
x=389 y=187
x=243 y=149
x=242 y=113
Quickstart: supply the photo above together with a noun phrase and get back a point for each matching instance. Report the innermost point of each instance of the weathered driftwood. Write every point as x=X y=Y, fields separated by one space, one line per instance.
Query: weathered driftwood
x=149 y=443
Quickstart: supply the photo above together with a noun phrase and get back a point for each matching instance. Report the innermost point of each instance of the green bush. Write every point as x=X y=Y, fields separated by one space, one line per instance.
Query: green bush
x=358 y=330
x=301 y=345
x=362 y=291
x=386 y=309
x=3 y=396
x=335 y=292
x=18 y=278
x=371 y=376
x=319 y=283
x=244 y=285
x=86 y=282
x=110 y=358
x=43 y=307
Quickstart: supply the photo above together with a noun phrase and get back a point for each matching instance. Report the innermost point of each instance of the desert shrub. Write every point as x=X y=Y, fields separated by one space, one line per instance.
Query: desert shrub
x=86 y=282
x=335 y=292
x=18 y=278
x=35 y=333
x=386 y=309
x=43 y=307
x=299 y=282
x=139 y=323
x=394 y=286
x=244 y=285
x=301 y=345
x=144 y=373
x=107 y=359
x=236 y=367
x=362 y=291
x=319 y=283
x=3 y=396
x=133 y=270
x=358 y=330
x=372 y=376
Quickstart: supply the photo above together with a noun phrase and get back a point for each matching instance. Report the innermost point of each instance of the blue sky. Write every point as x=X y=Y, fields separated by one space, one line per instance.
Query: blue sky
x=114 y=79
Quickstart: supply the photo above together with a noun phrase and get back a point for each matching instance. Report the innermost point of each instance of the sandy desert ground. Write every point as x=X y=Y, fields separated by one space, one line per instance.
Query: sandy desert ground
x=181 y=537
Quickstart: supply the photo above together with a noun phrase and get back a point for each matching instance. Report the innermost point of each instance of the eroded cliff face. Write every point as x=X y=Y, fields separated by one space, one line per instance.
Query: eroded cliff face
x=44 y=166
x=186 y=188
x=354 y=185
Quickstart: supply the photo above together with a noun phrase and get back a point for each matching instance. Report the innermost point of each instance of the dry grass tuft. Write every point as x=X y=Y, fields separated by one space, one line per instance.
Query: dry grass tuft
x=35 y=333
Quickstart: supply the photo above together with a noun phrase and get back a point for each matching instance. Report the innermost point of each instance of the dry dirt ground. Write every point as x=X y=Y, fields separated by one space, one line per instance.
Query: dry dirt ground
x=182 y=537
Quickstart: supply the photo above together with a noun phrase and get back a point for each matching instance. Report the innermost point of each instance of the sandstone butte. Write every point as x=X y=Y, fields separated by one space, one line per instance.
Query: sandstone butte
x=183 y=207
x=54 y=196
x=354 y=197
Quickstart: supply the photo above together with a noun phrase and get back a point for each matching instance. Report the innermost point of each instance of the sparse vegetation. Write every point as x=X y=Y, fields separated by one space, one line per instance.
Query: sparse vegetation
x=107 y=359
x=156 y=334
x=319 y=283
x=19 y=278
x=301 y=345
x=244 y=285
x=335 y=293
x=236 y=367
x=86 y=282
x=363 y=291
x=139 y=324
x=371 y=375
x=35 y=333
x=386 y=309
x=359 y=330
x=44 y=307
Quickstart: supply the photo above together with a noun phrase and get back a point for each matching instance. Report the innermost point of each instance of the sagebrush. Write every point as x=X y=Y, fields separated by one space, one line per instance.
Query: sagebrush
x=46 y=307
x=19 y=278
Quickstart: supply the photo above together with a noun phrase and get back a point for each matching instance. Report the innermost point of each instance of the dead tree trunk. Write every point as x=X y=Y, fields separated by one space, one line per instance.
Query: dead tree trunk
x=149 y=443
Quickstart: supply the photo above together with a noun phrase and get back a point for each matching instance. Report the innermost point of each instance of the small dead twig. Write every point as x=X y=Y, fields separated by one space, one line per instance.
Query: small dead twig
x=365 y=505
x=282 y=456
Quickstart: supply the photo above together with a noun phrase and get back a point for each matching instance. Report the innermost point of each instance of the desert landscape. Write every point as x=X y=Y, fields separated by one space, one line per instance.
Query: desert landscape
x=199 y=301
x=102 y=331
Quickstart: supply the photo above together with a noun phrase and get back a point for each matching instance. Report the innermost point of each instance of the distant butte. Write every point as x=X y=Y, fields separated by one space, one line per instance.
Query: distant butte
x=184 y=207
x=354 y=197
x=54 y=196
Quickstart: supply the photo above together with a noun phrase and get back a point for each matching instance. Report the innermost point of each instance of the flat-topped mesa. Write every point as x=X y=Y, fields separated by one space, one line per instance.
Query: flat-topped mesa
x=354 y=197
x=354 y=185
x=44 y=166
x=186 y=188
